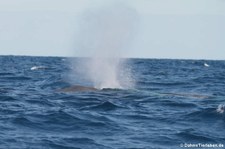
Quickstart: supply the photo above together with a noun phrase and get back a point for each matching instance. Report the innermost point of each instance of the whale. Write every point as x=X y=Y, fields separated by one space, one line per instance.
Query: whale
x=78 y=88
x=188 y=95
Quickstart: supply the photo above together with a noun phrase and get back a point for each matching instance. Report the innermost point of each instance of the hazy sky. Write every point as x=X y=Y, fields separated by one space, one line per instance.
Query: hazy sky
x=191 y=29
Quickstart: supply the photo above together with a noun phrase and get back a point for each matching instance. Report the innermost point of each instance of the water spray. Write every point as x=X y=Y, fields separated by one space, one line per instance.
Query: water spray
x=104 y=35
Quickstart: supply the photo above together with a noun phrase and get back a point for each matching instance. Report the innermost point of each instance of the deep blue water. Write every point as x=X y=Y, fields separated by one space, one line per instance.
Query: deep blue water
x=173 y=102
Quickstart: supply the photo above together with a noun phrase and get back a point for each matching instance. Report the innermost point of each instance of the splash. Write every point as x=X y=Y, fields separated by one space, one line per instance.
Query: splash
x=220 y=109
x=104 y=36
x=38 y=67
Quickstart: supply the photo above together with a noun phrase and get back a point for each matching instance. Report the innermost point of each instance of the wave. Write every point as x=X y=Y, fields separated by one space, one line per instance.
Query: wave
x=220 y=108
x=207 y=114
x=190 y=136
x=6 y=98
x=178 y=104
x=38 y=67
x=19 y=78
x=105 y=106
x=6 y=74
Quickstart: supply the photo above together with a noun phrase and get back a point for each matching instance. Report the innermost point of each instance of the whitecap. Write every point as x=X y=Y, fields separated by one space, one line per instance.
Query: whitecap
x=220 y=108
x=206 y=65
x=37 y=67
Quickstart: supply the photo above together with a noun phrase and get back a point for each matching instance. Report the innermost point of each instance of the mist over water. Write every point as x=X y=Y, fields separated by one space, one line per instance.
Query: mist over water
x=105 y=34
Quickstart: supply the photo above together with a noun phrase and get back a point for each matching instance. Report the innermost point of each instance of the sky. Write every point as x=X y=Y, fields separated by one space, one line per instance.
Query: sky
x=178 y=29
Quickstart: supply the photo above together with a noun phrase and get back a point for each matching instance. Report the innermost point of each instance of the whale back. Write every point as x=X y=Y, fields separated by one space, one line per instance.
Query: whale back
x=78 y=88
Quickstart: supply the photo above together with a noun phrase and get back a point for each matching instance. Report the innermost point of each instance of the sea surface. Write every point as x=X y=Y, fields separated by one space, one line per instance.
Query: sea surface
x=173 y=103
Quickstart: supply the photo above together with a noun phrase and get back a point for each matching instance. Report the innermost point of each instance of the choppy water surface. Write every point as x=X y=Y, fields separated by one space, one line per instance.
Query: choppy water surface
x=173 y=102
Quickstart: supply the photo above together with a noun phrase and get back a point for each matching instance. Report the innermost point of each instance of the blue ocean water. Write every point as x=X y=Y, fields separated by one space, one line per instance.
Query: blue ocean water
x=173 y=102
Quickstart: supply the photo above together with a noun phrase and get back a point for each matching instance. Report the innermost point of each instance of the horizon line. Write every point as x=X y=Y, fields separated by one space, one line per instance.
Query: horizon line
x=158 y=58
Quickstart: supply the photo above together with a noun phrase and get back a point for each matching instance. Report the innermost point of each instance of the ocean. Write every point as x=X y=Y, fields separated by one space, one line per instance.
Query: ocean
x=173 y=104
